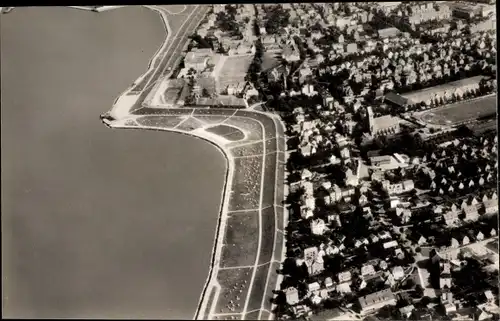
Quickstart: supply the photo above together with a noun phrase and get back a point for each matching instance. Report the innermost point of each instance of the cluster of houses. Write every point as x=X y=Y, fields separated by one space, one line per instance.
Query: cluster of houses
x=387 y=59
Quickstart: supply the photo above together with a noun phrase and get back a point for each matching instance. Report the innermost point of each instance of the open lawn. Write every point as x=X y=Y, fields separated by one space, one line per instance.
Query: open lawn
x=213 y=111
x=268 y=229
x=241 y=239
x=269 y=180
x=130 y=122
x=245 y=193
x=252 y=128
x=279 y=127
x=228 y=132
x=234 y=69
x=264 y=315
x=211 y=120
x=460 y=112
x=281 y=157
x=160 y=121
x=190 y=124
x=236 y=316
x=163 y=111
x=234 y=287
x=248 y=150
x=253 y=315
x=267 y=122
x=281 y=144
x=271 y=145
x=280 y=182
x=280 y=238
x=271 y=285
x=258 y=288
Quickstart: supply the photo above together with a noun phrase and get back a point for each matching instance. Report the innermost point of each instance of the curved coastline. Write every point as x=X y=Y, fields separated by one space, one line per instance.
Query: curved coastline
x=119 y=121
x=155 y=56
x=219 y=231
x=206 y=305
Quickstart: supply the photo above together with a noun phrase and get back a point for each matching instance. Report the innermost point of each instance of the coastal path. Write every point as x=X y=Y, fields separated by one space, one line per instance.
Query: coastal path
x=249 y=244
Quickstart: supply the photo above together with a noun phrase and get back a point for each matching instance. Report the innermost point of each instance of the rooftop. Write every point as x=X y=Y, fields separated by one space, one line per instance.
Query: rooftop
x=373 y=298
x=424 y=94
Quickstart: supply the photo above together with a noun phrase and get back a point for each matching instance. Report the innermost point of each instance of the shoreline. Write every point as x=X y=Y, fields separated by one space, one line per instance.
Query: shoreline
x=151 y=62
x=210 y=282
x=121 y=113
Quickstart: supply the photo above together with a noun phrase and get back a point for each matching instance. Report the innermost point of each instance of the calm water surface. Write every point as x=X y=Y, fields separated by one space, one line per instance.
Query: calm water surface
x=96 y=222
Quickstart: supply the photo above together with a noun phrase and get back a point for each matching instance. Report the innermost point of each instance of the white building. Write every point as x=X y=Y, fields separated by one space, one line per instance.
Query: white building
x=318 y=226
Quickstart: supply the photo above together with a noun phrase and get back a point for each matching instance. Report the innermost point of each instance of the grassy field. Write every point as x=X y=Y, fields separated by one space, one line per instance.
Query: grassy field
x=281 y=144
x=241 y=239
x=268 y=229
x=233 y=287
x=269 y=180
x=280 y=196
x=264 y=315
x=254 y=315
x=236 y=316
x=247 y=150
x=190 y=124
x=245 y=193
x=460 y=112
x=258 y=288
x=160 y=121
x=271 y=285
x=228 y=132
x=234 y=69
x=212 y=120
x=250 y=126
x=213 y=112
x=271 y=145
x=267 y=122
x=280 y=238
x=163 y=112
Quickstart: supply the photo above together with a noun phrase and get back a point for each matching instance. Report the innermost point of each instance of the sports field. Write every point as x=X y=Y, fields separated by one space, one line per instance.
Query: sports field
x=461 y=112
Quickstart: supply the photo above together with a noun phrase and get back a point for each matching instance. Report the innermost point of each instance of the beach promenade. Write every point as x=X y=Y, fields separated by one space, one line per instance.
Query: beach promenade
x=249 y=240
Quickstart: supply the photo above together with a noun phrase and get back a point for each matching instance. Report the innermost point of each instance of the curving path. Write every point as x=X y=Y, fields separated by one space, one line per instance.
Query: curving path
x=249 y=242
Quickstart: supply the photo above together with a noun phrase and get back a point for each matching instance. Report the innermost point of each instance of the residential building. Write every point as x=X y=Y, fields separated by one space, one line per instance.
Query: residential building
x=376 y=300
x=313 y=261
x=292 y=296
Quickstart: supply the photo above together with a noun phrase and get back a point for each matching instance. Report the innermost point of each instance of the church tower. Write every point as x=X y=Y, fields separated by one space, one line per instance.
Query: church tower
x=370 y=119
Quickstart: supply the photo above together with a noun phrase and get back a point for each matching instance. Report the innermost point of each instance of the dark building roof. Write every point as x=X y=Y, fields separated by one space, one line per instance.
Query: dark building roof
x=396 y=99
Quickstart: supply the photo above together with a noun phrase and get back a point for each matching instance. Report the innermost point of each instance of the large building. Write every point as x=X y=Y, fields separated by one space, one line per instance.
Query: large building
x=197 y=59
x=458 y=87
x=376 y=300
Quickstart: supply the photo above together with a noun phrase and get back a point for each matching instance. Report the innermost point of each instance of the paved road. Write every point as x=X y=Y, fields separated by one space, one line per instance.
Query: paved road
x=172 y=53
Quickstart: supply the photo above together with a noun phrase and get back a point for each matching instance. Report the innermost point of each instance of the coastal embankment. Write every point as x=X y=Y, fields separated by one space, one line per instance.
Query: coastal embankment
x=252 y=197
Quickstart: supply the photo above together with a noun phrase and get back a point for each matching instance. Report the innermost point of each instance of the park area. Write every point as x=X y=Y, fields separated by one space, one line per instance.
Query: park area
x=228 y=132
x=234 y=70
x=459 y=113
x=234 y=289
x=160 y=121
x=245 y=194
x=241 y=239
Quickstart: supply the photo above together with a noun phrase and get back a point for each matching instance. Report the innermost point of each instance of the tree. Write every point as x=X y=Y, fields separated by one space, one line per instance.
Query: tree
x=419 y=291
